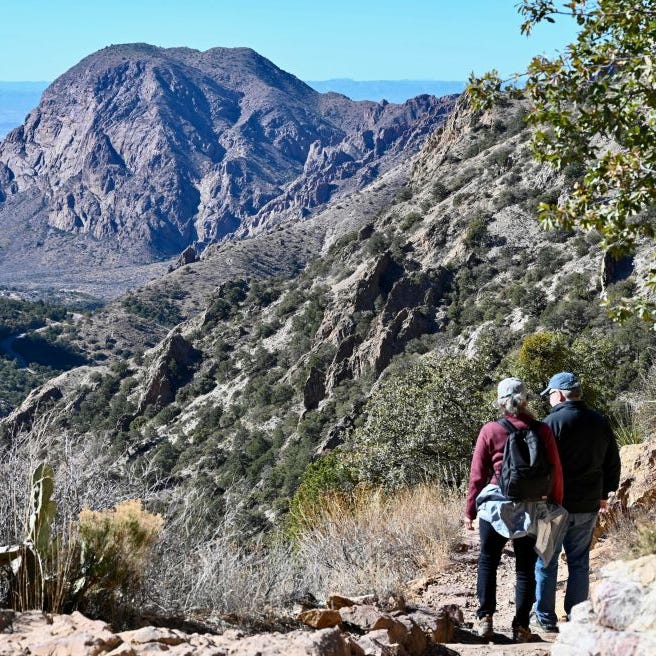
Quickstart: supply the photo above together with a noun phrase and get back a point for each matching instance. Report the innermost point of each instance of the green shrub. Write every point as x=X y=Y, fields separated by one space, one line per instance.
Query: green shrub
x=377 y=244
x=440 y=191
x=410 y=220
x=476 y=233
x=116 y=546
x=421 y=424
x=158 y=309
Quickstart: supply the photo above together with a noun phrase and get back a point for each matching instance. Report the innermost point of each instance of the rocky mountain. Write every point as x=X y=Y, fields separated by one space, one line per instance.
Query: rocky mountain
x=395 y=91
x=137 y=152
x=249 y=374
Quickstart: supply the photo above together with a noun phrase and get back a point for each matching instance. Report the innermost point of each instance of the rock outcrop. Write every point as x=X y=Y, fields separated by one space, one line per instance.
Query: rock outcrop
x=638 y=485
x=65 y=390
x=637 y=490
x=619 y=618
x=174 y=358
x=74 y=635
x=188 y=256
x=403 y=295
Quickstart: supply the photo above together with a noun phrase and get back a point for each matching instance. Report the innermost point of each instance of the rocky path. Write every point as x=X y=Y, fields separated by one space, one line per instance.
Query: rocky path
x=457 y=585
x=422 y=624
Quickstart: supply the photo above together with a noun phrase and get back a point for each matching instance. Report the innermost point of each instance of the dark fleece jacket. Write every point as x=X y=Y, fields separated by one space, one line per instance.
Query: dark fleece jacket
x=588 y=452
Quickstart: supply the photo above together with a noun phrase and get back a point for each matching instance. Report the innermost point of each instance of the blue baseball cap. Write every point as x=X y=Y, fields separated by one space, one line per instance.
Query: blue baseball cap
x=561 y=381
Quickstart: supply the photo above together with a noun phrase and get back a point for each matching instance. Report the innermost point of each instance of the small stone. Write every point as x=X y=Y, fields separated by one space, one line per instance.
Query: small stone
x=320 y=618
x=396 y=602
x=337 y=601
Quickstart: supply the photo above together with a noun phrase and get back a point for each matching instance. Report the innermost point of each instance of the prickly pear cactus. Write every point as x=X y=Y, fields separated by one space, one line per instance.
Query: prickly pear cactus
x=26 y=559
x=43 y=508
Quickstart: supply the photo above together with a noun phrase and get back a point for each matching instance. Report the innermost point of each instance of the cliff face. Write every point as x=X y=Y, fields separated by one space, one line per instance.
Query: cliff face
x=158 y=148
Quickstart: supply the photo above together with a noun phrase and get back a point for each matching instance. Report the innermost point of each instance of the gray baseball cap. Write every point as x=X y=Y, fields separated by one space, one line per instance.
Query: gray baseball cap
x=509 y=387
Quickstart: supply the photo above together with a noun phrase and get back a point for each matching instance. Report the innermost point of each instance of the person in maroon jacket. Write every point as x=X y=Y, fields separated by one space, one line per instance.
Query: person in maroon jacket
x=485 y=468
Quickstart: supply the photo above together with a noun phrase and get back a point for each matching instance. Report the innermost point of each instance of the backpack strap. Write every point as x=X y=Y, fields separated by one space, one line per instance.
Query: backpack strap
x=510 y=428
x=533 y=424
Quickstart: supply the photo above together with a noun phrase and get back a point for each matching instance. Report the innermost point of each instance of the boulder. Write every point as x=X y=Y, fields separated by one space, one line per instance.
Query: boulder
x=337 y=601
x=619 y=618
x=412 y=637
x=148 y=634
x=378 y=643
x=438 y=627
x=366 y=617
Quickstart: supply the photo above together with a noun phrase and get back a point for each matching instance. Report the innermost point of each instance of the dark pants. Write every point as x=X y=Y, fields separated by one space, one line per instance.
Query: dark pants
x=488 y=561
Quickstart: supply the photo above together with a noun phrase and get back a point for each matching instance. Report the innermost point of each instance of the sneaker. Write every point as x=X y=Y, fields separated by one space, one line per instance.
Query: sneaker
x=546 y=627
x=521 y=633
x=483 y=627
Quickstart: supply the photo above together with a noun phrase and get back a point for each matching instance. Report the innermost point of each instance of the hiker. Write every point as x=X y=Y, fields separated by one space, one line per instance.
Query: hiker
x=486 y=467
x=591 y=470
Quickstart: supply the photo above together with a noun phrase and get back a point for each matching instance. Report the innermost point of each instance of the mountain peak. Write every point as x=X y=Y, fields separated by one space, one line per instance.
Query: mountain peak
x=152 y=149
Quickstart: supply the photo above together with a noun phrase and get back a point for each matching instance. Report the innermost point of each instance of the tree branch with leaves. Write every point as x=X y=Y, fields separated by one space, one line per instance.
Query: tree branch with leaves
x=595 y=104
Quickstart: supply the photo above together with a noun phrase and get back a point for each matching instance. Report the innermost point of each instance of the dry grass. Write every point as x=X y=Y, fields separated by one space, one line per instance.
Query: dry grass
x=376 y=541
x=372 y=542
x=630 y=535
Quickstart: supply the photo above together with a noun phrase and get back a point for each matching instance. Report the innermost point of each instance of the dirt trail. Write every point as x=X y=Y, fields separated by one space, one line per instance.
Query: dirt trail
x=457 y=585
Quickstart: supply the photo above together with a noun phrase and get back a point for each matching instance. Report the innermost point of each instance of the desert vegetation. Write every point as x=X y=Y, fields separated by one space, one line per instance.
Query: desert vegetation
x=99 y=551
x=311 y=434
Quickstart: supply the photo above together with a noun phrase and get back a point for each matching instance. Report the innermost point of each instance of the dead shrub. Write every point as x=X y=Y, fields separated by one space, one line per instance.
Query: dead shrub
x=630 y=534
x=375 y=541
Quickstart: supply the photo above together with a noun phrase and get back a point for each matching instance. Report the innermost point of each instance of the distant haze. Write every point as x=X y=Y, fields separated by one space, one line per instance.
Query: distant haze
x=16 y=100
x=394 y=91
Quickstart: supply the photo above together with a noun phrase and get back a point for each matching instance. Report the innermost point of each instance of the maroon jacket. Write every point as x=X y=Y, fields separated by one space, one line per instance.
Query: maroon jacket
x=488 y=455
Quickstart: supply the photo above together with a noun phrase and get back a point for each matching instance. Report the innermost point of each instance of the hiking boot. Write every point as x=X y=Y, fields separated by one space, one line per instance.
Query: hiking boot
x=545 y=627
x=521 y=633
x=483 y=627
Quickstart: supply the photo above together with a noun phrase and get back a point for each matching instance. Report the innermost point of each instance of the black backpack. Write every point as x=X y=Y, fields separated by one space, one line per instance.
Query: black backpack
x=525 y=473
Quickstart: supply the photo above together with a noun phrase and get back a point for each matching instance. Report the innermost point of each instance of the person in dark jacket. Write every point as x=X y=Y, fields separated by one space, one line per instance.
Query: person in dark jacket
x=591 y=470
x=485 y=467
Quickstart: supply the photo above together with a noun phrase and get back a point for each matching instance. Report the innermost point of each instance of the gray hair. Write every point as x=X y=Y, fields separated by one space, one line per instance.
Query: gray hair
x=512 y=404
x=573 y=394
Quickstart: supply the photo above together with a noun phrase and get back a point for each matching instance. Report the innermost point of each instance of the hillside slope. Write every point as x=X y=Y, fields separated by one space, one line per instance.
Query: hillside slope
x=235 y=402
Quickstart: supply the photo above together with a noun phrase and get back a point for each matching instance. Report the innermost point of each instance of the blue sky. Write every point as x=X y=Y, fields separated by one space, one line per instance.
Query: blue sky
x=313 y=39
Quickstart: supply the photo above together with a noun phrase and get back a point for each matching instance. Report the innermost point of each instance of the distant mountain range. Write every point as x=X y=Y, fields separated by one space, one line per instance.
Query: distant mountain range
x=16 y=100
x=394 y=91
